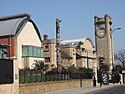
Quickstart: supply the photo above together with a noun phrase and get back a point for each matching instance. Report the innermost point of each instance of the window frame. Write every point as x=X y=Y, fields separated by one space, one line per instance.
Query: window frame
x=36 y=51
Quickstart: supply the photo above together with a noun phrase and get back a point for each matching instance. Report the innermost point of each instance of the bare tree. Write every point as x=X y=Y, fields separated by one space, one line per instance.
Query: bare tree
x=120 y=56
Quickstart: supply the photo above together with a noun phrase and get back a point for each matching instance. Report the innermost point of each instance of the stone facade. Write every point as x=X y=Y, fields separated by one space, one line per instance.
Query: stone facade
x=49 y=51
x=86 y=54
x=38 y=88
x=104 y=43
x=78 y=53
x=67 y=53
x=70 y=55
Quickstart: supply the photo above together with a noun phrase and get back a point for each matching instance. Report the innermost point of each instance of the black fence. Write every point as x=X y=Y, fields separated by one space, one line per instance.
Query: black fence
x=33 y=76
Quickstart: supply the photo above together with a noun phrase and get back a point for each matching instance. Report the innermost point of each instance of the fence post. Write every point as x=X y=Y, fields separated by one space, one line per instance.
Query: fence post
x=50 y=77
x=80 y=79
x=41 y=76
x=24 y=75
x=70 y=76
x=36 y=76
x=64 y=76
x=30 y=76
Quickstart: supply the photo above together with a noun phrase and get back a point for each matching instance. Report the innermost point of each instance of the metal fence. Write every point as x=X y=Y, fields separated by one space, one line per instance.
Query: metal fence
x=33 y=76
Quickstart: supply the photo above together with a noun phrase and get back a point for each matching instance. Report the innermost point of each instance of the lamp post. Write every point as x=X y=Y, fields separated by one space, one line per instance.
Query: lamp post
x=112 y=45
x=116 y=29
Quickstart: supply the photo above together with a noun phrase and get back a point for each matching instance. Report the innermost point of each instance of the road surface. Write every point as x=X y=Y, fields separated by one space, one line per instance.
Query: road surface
x=120 y=89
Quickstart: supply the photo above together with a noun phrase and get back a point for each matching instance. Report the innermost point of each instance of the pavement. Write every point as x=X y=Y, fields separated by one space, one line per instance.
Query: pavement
x=80 y=90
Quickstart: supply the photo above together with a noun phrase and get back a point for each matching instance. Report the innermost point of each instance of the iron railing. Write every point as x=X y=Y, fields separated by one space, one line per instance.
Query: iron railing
x=33 y=76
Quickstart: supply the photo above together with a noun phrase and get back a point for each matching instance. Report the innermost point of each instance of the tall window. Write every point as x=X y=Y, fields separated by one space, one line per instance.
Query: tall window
x=46 y=48
x=32 y=51
x=3 y=52
x=25 y=51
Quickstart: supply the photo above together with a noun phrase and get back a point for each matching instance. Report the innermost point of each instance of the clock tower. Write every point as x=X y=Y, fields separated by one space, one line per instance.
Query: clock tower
x=103 y=41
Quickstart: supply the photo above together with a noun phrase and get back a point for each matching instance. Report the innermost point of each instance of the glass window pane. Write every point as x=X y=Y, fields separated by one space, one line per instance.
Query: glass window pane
x=30 y=51
x=35 y=51
x=24 y=51
x=5 y=53
x=0 y=53
x=41 y=52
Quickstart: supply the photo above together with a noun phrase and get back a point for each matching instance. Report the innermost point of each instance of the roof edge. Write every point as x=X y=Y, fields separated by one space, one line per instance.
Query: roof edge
x=87 y=38
x=36 y=28
x=14 y=16
x=78 y=40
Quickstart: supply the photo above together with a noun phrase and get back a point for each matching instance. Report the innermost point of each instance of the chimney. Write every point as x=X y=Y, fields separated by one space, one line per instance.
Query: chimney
x=45 y=37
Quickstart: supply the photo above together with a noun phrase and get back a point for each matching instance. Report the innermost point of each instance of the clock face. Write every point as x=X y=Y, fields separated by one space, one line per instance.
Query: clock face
x=101 y=33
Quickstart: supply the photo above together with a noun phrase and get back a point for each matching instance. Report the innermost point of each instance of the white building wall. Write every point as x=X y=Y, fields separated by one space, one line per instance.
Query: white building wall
x=28 y=36
x=30 y=61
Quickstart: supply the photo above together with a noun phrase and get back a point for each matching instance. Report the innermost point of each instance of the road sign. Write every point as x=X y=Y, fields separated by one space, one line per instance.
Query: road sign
x=105 y=78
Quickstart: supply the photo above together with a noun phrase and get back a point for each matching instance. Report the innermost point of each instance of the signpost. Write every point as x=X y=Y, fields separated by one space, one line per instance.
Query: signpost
x=105 y=78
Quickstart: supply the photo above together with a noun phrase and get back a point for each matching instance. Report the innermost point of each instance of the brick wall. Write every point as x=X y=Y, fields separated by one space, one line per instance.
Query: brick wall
x=10 y=41
x=36 y=88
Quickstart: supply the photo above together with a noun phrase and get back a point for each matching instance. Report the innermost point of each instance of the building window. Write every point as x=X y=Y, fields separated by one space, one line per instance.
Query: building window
x=47 y=59
x=3 y=52
x=31 y=51
x=46 y=48
x=25 y=51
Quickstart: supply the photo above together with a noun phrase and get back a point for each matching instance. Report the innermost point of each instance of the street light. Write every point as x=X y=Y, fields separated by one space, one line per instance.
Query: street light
x=116 y=29
x=112 y=44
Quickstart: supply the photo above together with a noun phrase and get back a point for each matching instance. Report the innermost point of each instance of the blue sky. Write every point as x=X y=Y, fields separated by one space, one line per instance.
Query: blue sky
x=76 y=15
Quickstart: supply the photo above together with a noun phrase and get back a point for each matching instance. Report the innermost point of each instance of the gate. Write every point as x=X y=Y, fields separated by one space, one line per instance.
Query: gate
x=6 y=71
